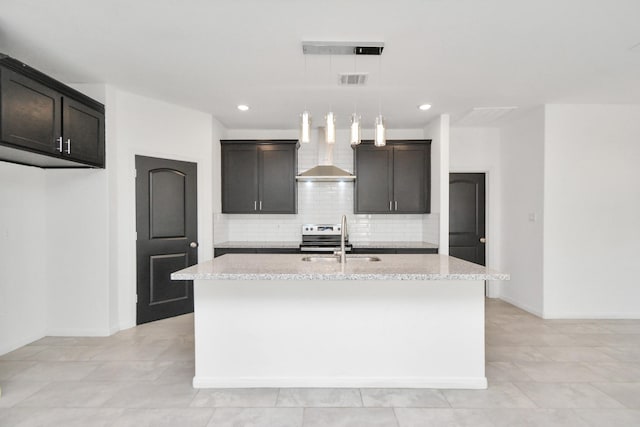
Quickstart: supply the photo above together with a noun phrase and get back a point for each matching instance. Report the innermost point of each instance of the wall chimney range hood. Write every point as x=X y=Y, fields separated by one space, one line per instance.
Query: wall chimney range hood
x=325 y=171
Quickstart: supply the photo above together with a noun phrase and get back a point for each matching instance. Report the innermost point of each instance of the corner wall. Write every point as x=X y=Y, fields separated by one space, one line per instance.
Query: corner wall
x=592 y=211
x=522 y=168
x=143 y=126
x=23 y=286
x=438 y=132
x=477 y=150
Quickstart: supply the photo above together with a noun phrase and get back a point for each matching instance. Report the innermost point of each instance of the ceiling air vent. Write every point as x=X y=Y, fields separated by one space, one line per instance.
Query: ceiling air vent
x=353 y=79
x=483 y=116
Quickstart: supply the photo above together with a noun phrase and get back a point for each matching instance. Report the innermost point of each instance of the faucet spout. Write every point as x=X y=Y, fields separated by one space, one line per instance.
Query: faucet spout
x=343 y=233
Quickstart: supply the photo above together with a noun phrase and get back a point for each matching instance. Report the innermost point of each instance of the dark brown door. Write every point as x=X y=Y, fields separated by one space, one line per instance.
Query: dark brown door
x=467 y=216
x=277 y=180
x=239 y=178
x=30 y=114
x=167 y=231
x=373 y=188
x=83 y=132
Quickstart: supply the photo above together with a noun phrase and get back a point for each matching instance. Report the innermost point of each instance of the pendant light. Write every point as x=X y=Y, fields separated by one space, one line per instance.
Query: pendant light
x=305 y=117
x=355 y=136
x=305 y=127
x=330 y=128
x=380 y=138
x=330 y=119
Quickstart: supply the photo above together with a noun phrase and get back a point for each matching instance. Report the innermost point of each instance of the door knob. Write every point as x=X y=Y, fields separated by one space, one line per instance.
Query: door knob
x=193 y=244
x=483 y=240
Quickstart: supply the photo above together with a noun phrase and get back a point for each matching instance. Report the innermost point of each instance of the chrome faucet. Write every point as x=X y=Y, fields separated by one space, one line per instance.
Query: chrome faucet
x=343 y=232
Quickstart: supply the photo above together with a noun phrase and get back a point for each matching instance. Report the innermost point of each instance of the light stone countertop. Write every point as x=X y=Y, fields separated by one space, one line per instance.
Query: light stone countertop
x=249 y=244
x=357 y=245
x=291 y=267
x=394 y=245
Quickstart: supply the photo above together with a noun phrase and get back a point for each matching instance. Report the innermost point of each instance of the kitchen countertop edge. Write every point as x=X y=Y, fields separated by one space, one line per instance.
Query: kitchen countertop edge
x=268 y=267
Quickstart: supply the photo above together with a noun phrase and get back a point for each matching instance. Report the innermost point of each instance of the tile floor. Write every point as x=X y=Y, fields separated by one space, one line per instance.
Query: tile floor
x=541 y=373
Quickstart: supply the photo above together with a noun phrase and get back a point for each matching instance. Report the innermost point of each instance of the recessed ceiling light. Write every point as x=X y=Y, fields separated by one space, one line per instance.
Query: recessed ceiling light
x=243 y=107
x=424 y=107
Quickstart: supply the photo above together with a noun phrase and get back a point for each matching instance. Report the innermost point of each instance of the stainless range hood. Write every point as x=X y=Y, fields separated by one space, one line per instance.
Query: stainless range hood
x=325 y=171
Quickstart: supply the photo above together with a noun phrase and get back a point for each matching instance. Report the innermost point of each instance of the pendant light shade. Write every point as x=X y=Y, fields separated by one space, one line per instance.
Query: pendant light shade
x=330 y=129
x=380 y=139
x=305 y=127
x=354 y=134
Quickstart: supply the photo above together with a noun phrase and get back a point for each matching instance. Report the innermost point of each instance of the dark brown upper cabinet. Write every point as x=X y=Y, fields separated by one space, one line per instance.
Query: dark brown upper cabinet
x=259 y=176
x=46 y=123
x=393 y=179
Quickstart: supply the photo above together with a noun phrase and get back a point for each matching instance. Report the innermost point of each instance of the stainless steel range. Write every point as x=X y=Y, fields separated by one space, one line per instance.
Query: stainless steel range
x=322 y=238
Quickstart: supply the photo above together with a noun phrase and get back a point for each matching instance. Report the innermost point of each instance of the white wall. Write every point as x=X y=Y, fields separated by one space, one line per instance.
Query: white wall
x=477 y=150
x=23 y=255
x=148 y=127
x=592 y=211
x=438 y=132
x=77 y=249
x=522 y=171
x=319 y=202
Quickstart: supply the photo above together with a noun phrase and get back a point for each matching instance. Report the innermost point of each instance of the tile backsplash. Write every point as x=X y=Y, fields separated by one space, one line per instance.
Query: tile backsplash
x=324 y=202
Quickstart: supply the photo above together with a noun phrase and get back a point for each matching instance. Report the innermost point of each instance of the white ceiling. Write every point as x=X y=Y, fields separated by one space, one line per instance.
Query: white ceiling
x=455 y=54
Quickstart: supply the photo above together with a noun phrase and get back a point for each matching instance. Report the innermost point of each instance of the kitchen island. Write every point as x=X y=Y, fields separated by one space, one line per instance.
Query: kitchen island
x=265 y=320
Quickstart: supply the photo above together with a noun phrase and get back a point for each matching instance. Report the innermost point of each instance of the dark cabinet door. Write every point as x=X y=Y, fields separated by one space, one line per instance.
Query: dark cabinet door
x=394 y=178
x=239 y=178
x=277 y=178
x=83 y=133
x=410 y=178
x=373 y=188
x=31 y=113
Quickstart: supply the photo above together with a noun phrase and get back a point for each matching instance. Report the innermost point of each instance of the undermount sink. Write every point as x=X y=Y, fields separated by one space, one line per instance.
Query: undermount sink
x=335 y=258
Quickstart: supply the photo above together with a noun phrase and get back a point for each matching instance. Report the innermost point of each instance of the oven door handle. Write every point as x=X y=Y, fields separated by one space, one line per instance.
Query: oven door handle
x=323 y=249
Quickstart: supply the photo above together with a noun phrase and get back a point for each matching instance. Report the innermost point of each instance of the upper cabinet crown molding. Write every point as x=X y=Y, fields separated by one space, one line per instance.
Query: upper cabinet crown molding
x=45 y=123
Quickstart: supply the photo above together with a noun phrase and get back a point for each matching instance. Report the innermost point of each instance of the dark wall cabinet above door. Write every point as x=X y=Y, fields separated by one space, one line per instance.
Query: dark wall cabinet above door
x=259 y=176
x=393 y=179
x=45 y=123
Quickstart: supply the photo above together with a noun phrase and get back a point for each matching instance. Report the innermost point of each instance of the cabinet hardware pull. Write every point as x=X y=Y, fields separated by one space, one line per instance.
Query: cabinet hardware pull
x=396 y=205
x=390 y=205
x=59 y=144
x=483 y=240
x=260 y=204
x=69 y=146
x=255 y=205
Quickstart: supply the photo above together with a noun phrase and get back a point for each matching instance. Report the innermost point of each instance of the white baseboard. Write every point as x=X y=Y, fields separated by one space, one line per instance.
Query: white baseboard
x=79 y=332
x=573 y=315
x=522 y=306
x=341 y=382
x=588 y=316
x=14 y=345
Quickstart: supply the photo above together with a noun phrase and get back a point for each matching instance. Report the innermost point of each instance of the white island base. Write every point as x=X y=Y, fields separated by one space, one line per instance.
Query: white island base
x=339 y=333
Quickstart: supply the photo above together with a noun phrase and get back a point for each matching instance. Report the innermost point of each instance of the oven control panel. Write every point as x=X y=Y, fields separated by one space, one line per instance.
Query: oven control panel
x=330 y=229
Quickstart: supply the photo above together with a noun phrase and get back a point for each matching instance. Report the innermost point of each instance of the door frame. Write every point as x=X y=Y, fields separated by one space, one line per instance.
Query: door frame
x=490 y=223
